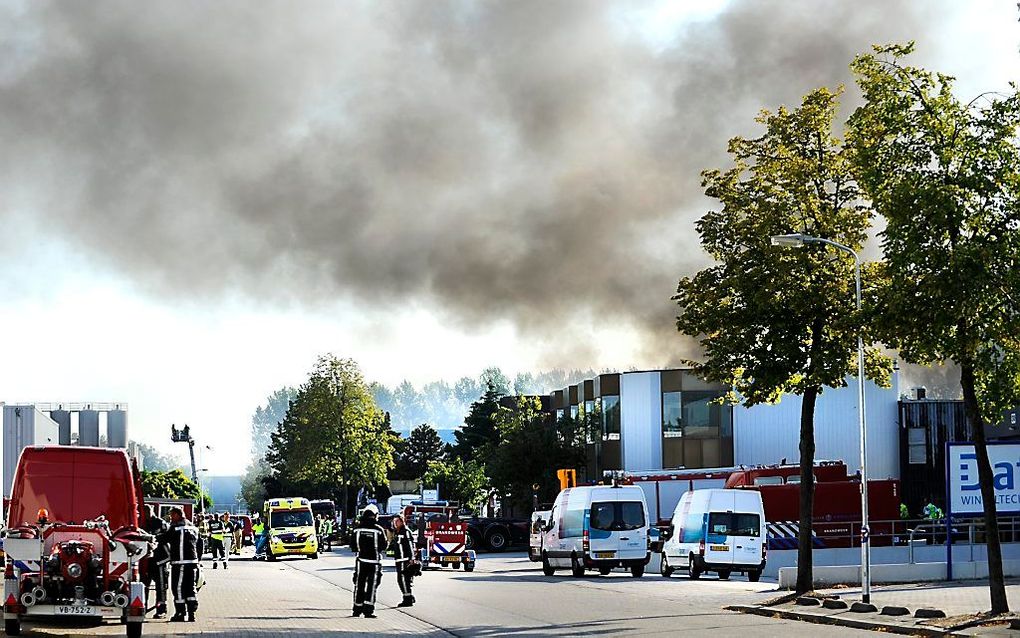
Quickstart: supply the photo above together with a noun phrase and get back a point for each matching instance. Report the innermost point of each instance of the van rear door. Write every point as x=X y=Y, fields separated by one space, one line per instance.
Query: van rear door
x=746 y=538
x=719 y=522
x=617 y=528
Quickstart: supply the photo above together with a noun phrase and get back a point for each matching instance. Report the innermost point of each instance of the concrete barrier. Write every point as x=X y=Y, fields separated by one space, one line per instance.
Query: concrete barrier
x=826 y=576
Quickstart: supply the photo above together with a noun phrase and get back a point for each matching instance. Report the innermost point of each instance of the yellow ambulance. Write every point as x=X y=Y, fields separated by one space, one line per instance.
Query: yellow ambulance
x=291 y=528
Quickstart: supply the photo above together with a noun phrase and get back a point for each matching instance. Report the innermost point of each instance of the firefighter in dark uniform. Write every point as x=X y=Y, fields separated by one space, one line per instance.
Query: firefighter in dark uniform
x=155 y=570
x=182 y=546
x=219 y=529
x=403 y=555
x=368 y=541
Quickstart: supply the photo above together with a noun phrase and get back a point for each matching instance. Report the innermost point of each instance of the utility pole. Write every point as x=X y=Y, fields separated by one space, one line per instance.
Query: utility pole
x=184 y=436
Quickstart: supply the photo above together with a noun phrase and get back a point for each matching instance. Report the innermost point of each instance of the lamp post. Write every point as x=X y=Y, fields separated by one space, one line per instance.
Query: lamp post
x=796 y=240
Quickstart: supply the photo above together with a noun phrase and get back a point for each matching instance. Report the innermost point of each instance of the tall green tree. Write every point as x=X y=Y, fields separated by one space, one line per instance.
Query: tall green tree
x=267 y=418
x=945 y=174
x=333 y=436
x=774 y=320
x=530 y=448
x=418 y=450
x=479 y=425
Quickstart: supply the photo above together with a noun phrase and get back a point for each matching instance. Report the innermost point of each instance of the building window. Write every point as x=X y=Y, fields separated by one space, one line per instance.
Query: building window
x=702 y=418
x=588 y=420
x=573 y=412
x=610 y=417
x=672 y=423
x=559 y=415
x=917 y=446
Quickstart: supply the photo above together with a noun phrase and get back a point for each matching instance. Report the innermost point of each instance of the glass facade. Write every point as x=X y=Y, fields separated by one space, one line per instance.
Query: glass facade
x=610 y=417
x=703 y=418
x=672 y=422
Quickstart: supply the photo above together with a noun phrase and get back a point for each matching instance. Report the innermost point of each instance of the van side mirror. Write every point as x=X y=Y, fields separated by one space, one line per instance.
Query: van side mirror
x=668 y=534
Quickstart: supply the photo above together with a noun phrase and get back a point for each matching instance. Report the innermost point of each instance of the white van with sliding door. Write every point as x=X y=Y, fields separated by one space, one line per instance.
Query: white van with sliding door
x=597 y=528
x=721 y=531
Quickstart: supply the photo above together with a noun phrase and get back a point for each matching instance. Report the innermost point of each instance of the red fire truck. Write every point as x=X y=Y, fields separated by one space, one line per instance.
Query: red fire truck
x=837 y=500
x=73 y=538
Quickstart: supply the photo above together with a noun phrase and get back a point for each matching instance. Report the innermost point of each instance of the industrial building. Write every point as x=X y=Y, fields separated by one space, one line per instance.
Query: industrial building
x=664 y=419
x=59 y=424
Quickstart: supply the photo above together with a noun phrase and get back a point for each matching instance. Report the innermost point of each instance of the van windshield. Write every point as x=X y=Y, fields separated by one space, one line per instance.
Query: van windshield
x=296 y=518
x=730 y=524
x=618 y=516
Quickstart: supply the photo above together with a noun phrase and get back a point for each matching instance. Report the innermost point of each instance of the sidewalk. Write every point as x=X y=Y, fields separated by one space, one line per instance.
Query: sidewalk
x=961 y=602
x=259 y=600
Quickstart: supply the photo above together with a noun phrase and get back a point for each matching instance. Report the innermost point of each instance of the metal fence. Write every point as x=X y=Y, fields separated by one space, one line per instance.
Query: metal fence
x=900 y=532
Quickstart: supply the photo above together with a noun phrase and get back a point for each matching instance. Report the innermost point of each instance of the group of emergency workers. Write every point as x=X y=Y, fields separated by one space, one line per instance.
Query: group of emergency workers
x=176 y=557
x=178 y=547
x=368 y=540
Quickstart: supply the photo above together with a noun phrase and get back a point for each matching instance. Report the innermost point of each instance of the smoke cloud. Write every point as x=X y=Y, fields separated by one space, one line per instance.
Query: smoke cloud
x=528 y=161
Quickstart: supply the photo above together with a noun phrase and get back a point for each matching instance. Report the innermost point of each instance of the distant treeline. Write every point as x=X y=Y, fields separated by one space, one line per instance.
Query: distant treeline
x=444 y=405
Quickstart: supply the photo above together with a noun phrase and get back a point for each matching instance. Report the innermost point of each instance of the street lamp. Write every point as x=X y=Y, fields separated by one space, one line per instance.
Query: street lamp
x=796 y=240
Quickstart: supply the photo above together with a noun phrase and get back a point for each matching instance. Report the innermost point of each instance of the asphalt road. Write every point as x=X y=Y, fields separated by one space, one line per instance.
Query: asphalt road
x=505 y=595
x=508 y=595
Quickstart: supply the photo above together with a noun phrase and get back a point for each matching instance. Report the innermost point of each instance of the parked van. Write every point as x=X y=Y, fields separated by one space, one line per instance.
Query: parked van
x=539 y=519
x=598 y=528
x=716 y=530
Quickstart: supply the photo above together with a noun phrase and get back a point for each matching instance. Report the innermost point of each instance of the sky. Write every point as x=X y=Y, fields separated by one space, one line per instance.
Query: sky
x=197 y=200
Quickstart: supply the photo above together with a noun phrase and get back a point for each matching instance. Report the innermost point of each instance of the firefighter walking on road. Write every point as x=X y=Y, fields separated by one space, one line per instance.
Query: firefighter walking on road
x=219 y=530
x=369 y=544
x=403 y=554
x=182 y=546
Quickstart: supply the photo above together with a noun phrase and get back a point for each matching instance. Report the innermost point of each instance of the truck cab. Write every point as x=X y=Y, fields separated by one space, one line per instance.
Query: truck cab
x=73 y=540
x=291 y=528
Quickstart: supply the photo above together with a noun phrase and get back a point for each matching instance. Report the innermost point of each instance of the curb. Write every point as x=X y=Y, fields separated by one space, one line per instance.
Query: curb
x=818 y=619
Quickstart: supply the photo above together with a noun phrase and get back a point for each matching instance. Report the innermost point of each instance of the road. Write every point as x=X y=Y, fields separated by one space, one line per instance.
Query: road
x=505 y=595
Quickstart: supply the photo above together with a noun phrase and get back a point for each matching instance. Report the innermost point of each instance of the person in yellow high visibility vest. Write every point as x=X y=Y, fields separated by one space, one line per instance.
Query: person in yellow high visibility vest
x=220 y=529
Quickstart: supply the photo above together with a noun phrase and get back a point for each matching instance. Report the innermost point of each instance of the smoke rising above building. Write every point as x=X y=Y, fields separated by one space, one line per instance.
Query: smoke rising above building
x=531 y=162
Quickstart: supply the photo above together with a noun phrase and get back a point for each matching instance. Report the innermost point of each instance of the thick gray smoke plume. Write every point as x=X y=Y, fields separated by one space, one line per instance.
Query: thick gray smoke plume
x=533 y=161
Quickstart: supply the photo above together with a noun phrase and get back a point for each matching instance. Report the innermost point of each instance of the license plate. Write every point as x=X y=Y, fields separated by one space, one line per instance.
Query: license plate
x=75 y=610
x=604 y=554
x=720 y=548
x=450 y=559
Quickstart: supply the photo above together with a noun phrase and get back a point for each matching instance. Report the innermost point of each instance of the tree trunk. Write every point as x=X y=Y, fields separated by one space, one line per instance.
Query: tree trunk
x=996 y=582
x=805 y=571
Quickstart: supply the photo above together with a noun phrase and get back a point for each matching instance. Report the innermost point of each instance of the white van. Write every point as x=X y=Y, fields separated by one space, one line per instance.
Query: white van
x=539 y=519
x=597 y=528
x=720 y=531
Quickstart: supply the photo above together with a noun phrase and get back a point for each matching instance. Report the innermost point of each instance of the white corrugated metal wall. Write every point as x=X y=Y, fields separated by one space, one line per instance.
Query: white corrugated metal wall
x=770 y=433
x=641 y=420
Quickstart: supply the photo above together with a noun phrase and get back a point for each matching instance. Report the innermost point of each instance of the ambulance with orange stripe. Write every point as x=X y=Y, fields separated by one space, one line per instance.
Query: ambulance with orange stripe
x=74 y=539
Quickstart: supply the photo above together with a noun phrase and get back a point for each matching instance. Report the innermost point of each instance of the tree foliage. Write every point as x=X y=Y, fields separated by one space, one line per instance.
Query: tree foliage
x=479 y=433
x=775 y=320
x=267 y=418
x=530 y=447
x=333 y=436
x=417 y=451
x=458 y=480
x=173 y=484
x=945 y=174
x=253 y=484
x=156 y=461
